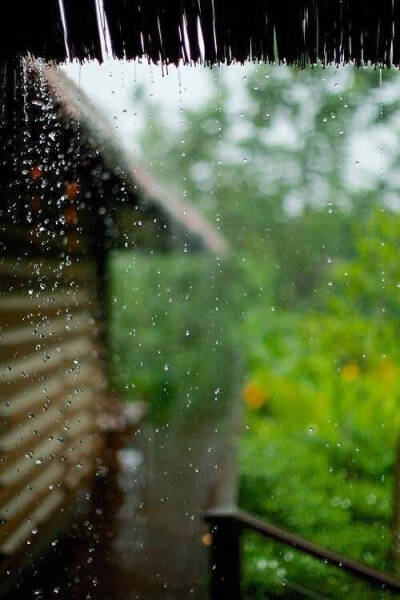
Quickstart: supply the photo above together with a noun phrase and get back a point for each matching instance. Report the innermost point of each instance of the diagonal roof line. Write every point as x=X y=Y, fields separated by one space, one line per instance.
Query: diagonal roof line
x=76 y=104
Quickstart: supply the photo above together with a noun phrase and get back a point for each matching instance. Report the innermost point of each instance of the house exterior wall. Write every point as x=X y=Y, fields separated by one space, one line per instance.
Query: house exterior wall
x=52 y=381
x=51 y=385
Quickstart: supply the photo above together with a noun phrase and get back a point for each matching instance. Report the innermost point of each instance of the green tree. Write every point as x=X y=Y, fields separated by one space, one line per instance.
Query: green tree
x=318 y=257
x=273 y=172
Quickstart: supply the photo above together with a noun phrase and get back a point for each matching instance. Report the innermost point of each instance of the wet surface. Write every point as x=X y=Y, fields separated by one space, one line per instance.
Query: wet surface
x=141 y=537
x=91 y=561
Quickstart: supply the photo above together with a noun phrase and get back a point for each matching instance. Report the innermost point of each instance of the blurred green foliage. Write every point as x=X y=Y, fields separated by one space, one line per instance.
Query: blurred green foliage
x=173 y=319
x=324 y=412
x=317 y=291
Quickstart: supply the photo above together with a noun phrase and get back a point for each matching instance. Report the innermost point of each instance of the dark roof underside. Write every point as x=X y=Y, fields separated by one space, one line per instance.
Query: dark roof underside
x=210 y=31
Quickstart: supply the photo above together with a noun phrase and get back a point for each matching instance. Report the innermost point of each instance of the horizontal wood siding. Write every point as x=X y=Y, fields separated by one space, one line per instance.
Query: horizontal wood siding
x=51 y=389
x=56 y=207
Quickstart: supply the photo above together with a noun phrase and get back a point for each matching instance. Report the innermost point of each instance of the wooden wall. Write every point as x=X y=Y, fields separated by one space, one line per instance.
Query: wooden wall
x=51 y=389
x=59 y=207
x=52 y=382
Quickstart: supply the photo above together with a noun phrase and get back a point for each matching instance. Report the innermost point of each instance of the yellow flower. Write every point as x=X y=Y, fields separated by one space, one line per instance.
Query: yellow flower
x=350 y=372
x=254 y=395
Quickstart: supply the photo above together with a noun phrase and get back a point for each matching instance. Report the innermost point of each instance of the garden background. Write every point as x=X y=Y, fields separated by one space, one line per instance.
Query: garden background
x=303 y=181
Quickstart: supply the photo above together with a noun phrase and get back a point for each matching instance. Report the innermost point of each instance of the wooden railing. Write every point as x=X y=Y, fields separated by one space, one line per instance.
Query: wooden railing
x=226 y=526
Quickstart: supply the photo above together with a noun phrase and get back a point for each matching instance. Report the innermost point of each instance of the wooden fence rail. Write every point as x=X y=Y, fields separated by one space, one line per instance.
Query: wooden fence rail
x=226 y=526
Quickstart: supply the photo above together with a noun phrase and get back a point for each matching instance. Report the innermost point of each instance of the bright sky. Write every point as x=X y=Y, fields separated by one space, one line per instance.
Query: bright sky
x=112 y=86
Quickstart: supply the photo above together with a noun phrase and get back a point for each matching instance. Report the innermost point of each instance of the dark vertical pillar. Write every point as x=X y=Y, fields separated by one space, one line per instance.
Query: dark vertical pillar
x=394 y=555
x=100 y=257
x=9 y=69
x=225 y=558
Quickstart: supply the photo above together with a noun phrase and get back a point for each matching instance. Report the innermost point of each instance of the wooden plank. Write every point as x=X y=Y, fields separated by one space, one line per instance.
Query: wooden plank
x=15 y=408
x=24 y=302
x=49 y=478
x=81 y=446
x=79 y=425
x=20 y=472
x=19 y=308
x=74 y=421
x=78 y=402
x=56 y=270
x=10 y=458
x=84 y=442
x=42 y=513
x=35 y=396
x=30 y=367
x=46 y=328
x=65 y=412
x=23 y=509
x=35 y=364
x=75 y=476
x=41 y=338
x=84 y=463
x=48 y=403
x=28 y=432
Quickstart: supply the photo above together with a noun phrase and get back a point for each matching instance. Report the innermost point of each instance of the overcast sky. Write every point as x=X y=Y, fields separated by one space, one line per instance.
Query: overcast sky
x=112 y=86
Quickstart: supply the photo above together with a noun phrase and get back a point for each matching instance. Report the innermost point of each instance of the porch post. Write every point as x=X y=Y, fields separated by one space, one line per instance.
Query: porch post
x=225 y=557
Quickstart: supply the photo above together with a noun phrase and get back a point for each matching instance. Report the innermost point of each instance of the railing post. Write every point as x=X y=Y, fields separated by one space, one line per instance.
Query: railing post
x=225 y=557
